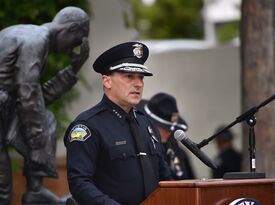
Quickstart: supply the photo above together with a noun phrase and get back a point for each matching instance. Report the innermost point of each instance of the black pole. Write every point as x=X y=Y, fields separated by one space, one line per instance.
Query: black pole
x=252 y=143
x=252 y=154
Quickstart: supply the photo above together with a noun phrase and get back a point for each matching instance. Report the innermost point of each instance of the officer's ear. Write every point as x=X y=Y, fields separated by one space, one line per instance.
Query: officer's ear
x=106 y=81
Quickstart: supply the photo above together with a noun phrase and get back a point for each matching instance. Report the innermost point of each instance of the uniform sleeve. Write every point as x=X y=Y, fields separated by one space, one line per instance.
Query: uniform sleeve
x=82 y=144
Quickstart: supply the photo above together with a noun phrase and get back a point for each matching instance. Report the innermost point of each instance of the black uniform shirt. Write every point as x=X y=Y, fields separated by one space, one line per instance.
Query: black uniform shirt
x=228 y=160
x=102 y=162
x=178 y=160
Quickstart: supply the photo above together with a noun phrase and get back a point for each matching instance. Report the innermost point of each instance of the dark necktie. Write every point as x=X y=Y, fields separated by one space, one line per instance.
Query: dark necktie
x=149 y=178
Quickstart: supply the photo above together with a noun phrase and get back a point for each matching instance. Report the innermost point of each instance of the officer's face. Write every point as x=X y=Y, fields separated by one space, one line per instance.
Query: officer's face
x=124 y=89
x=164 y=134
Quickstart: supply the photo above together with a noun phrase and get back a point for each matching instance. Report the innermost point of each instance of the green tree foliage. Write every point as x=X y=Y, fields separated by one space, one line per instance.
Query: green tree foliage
x=34 y=11
x=228 y=31
x=39 y=12
x=168 y=19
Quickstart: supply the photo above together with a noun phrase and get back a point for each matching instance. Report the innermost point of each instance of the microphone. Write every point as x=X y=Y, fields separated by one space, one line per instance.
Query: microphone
x=180 y=136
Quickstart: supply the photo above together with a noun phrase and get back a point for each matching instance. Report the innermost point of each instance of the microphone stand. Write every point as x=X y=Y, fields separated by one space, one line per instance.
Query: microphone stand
x=249 y=117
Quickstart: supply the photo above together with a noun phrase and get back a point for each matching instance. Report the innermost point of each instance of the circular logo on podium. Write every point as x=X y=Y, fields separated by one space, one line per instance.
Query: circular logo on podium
x=245 y=201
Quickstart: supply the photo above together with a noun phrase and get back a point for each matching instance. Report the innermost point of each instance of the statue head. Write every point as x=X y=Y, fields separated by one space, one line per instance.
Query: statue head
x=68 y=28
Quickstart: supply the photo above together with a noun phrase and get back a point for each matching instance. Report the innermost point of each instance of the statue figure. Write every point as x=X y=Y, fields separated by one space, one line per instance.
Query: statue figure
x=25 y=122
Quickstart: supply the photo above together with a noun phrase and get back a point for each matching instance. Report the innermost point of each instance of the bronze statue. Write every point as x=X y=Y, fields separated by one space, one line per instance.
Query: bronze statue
x=25 y=122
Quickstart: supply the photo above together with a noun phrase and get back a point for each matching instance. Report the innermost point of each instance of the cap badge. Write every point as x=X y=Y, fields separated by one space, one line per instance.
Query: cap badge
x=174 y=117
x=138 y=51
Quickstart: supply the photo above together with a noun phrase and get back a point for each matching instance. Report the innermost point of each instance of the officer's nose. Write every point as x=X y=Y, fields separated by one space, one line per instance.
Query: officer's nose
x=139 y=81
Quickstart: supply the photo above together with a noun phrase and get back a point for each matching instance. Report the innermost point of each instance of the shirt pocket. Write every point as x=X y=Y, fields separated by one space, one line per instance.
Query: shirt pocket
x=121 y=152
x=124 y=163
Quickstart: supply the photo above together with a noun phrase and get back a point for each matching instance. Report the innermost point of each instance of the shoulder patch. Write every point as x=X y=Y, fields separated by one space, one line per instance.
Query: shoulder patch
x=79 y=132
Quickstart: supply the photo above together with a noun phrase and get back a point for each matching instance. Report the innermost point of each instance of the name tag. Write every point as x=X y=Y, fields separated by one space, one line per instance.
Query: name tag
x=120 y=142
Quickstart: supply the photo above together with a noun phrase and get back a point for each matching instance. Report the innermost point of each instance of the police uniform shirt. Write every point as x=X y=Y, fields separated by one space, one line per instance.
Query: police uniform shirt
x=102 y=162
x=178 y=160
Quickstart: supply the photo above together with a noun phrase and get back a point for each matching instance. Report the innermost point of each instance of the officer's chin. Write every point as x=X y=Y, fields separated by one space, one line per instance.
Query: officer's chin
x=135 y=102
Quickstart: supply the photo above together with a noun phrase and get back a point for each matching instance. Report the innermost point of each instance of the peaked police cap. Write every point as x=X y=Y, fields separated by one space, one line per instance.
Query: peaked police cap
x=125 y=57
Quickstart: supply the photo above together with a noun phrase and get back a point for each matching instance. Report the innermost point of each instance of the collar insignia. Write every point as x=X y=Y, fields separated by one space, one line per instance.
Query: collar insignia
x=150 y=130
x=117 y=113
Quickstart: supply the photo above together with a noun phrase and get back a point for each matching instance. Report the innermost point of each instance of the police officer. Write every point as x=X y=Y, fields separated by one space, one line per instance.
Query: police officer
x=163 y=112
x=228 y=159
x=104 y=163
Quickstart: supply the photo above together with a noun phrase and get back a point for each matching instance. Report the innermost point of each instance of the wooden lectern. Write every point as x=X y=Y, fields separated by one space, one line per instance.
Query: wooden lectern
x=212 y=192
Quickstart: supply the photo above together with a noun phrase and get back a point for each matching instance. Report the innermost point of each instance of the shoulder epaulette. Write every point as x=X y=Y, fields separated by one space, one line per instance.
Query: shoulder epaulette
x=91 y=112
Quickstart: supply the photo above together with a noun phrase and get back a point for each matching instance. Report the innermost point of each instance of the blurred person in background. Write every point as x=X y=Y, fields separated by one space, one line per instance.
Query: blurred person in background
x=228 y=158
x=162 y=110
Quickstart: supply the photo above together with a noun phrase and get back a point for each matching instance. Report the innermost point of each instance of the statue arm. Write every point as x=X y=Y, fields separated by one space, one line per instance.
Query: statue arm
x=59 y=84
x=78 y=59
x=66 y=78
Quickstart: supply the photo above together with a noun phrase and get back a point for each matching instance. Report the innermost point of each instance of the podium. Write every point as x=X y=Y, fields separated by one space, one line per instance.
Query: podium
x=212 y=192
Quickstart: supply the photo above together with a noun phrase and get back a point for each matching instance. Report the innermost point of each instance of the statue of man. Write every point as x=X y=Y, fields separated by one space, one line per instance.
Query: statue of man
x=25 y=122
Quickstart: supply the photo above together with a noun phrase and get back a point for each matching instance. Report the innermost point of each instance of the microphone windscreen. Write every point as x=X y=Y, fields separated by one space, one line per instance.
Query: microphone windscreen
x=179 y=135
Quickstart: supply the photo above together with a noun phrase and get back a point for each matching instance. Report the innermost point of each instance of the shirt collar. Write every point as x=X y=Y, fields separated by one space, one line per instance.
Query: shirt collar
x=115 y=109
